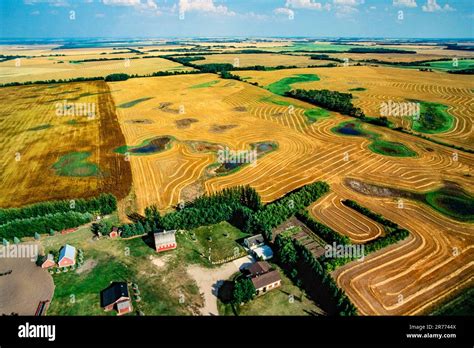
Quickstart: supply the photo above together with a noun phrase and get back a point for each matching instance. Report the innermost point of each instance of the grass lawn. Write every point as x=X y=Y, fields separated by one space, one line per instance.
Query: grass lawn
x=221 y=238
x=288 y=299
x=389 y=148
x=161 y=278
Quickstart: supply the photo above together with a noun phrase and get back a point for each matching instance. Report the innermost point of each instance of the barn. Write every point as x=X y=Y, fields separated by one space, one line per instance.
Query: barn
x=116 y=297
x=67 y=256
x=165 y=240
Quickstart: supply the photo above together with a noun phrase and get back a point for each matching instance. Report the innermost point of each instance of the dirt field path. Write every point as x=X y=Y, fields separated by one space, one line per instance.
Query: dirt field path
x=210 y=279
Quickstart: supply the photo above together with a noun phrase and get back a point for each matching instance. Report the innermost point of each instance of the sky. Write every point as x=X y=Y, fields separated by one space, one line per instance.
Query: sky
x=241 y=18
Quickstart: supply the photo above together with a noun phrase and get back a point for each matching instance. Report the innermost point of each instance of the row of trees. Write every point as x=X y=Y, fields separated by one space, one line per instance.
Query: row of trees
x=105 y=203
x=279 y=211
x=43 y=224
x=305 y=270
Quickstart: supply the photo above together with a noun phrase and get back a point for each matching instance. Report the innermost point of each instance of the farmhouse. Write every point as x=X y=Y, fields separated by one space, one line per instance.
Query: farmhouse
x=49 y=262
x=266 y=282
x=116 y=297
x=67 y=256
x=165 y=240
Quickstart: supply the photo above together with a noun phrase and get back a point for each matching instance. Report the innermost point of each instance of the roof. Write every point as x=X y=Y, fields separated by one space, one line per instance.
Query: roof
x=266 y=279
x=113 y=293
x=259 y=267
x=123 y=304
x=264 y=251
x=67 y=251
x=165 y=237
x=255 y=240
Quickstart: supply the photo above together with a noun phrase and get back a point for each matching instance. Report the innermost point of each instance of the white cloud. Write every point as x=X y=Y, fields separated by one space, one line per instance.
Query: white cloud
x=35 y=13
x=404 y=3
x=57 y=3
x=307 y=4
x=121 y=2
x=284 y=11
x=203 y=6
x=346 y=8
x=432 y=6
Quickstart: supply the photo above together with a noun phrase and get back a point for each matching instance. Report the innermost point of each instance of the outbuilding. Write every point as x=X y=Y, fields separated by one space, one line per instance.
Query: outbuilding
x=165 y=240
x=67 y=256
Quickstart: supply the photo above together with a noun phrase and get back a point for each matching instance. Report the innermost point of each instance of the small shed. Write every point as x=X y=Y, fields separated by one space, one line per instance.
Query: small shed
x=67 y=256
x=48 y=262
x=114 y=233
x=165 y=240
x=254 y=241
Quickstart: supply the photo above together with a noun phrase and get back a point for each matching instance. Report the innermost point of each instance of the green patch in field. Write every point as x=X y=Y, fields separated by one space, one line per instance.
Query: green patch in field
x=357 y=89
x=148 y=146
x=40 y=127
x=452 y=202
x=434 y=118
x=389 y=148
x=205 y=84
x=314 y=114
x=133 y=103
x=75 y=164
x=284 y=85
x=273 y=100
x=378 y=145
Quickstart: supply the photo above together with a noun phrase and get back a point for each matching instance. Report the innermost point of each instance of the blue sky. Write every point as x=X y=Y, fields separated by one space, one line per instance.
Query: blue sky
x=257 y=18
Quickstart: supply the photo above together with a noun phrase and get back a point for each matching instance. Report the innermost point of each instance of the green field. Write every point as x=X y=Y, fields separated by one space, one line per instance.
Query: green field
x=450 y=64
x=434 y=118
x=75 y=164
x=312 y=47
x=284 y=85
x=315 y=114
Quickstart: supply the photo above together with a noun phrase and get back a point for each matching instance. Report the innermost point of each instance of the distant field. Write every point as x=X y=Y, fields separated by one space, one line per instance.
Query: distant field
x=37 y=69
x=45 y=156
x=269 y=60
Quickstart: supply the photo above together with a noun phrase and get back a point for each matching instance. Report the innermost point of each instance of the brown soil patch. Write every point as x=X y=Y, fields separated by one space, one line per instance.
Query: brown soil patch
x=216 y=128
x=185 y=122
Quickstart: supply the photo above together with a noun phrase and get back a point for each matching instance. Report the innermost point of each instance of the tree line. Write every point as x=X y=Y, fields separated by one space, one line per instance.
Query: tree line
x=53 y=215
x=305 y=270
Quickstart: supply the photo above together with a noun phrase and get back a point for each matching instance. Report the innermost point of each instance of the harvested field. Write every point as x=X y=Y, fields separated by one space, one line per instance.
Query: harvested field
x=72 y=158
x=42 y=68
x=384 y=84
x=270 y=60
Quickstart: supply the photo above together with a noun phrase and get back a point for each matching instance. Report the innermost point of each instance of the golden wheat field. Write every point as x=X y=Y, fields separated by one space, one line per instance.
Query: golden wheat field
x=36 y=69
x=243 y=60
x=383 y=84
x=34 y=138
x=236 y=114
